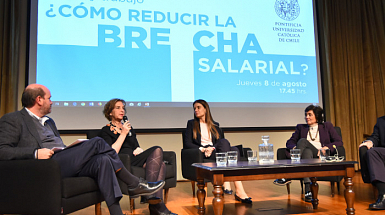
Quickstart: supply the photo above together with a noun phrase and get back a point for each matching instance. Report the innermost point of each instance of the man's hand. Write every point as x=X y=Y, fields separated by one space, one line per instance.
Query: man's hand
x=137 y=151
x=209 y=151
x=44 y=153
x=368 y=144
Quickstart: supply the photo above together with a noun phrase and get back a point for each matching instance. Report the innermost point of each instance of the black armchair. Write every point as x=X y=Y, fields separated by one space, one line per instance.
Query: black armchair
x=169 y=158
x=36 y=187
x=364 y=168
x=284 y=153
x=190 y=156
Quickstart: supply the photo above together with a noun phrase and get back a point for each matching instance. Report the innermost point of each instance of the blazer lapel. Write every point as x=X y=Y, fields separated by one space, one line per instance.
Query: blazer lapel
x=30 y=125
x=321 y=130
x=53 y=127
x=199 y=136
x=304 y=131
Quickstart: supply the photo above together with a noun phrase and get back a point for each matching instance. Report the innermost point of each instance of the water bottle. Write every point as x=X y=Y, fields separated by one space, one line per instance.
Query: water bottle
x=266 y=153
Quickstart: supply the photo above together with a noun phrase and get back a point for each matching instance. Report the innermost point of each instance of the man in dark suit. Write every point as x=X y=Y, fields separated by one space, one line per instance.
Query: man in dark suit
x=30 y=134
x=372 y=153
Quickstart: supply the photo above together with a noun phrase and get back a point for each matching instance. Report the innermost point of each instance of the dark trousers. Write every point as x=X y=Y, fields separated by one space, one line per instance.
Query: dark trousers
x=96 y=159
x=223 y=145
x=308 y=151
x=375 y=158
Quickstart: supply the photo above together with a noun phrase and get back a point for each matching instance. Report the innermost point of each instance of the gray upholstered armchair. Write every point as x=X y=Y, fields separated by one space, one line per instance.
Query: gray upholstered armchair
x=36 y=187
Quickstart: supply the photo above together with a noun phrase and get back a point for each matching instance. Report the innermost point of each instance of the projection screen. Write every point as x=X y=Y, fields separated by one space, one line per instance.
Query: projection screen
x=254 y=61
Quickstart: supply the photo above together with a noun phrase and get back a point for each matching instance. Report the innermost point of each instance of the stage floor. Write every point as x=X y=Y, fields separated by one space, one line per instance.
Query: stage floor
x=267 y=199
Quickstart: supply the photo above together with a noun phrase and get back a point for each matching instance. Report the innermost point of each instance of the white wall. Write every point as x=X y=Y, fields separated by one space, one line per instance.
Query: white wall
x=173 y=141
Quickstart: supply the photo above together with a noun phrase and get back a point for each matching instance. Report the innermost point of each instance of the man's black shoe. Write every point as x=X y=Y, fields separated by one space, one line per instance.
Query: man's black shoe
x=308 y=196
x=380 y=203
x=145 y=188
x=282 y=181
x=155 y=211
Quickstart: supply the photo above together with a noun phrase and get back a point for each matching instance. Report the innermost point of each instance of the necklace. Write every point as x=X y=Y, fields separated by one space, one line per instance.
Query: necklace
x=114 y=129
x=315 y=135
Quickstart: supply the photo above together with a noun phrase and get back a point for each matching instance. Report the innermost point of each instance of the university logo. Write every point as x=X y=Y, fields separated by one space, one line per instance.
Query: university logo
x=287 y=9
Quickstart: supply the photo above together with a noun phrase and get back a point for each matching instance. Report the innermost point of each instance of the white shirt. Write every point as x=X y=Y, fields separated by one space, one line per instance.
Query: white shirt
x=205 y=135
x=313 y=130
x=42 y=120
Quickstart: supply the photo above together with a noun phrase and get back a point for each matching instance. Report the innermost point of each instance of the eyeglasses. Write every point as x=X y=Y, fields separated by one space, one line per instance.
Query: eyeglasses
x=335 y=158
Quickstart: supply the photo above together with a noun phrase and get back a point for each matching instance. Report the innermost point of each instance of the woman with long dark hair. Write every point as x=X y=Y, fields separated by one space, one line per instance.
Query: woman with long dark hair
x=204 y=133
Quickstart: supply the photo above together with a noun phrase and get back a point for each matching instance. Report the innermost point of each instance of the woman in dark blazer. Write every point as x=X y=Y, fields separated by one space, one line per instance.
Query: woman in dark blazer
x=122 y=137
x=204 y=133
x=310 y=138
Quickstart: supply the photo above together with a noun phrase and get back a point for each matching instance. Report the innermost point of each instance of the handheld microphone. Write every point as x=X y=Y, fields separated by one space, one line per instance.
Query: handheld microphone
x=125 y=119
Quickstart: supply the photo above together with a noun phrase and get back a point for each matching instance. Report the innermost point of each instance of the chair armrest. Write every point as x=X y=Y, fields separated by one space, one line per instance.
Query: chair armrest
x=190 y=156
x=341 y=151
x=282 y=154
x=30 y=187
x=126 y=160
x=169 y=157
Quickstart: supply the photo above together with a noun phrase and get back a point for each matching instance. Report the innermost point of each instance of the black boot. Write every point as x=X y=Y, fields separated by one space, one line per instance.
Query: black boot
x=379 y=204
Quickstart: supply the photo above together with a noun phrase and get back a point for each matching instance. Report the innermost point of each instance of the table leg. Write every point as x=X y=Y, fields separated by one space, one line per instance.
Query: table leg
x=201 y=194
x=349 y=194
x=314 y=192
x=218 y=200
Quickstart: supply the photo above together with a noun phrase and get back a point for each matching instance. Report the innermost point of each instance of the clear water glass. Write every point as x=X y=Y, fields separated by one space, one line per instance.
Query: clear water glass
x=323 y=154
x=295 y=154
x=221 y=158
x=232 y=157
x=252 y=155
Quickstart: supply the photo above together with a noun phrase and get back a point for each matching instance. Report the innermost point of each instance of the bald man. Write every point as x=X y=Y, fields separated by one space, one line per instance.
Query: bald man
x=30 y=134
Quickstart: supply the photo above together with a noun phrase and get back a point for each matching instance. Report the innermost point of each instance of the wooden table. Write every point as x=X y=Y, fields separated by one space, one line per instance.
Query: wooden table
x=244 y=171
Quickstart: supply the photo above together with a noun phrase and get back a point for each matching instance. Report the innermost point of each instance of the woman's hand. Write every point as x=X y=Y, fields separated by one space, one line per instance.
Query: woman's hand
x=323 y=148
x=137 y=151
x=126 y=128
x=209 y=151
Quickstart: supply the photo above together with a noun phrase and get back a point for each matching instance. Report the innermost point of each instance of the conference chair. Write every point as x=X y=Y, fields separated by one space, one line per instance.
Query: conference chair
x=169 y=158
x=190 y=156
x=36 y=187
x=364 y=167
x=283 y=153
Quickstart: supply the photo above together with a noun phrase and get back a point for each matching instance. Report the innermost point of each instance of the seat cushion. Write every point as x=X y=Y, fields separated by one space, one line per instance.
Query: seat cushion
x=74 y=186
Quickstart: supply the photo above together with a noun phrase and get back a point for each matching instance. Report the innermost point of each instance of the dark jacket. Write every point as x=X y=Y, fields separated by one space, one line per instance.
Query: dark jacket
x=19 y=137
x=378 y=135
x=327 y=133
x=190 y=143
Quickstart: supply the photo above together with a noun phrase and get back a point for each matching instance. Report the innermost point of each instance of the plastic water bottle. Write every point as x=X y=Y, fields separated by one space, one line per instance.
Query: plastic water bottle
x=266 y=151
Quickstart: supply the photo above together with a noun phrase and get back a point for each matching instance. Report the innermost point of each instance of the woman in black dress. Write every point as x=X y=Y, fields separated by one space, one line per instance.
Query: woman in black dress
x=122 y=137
